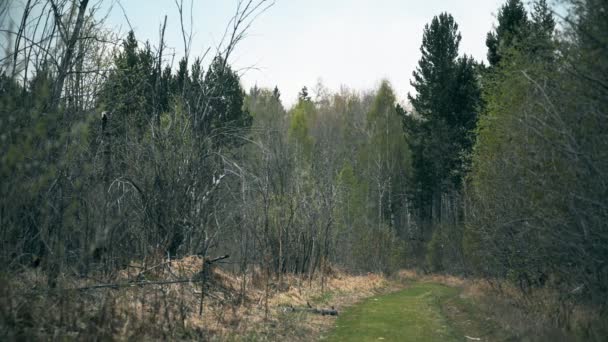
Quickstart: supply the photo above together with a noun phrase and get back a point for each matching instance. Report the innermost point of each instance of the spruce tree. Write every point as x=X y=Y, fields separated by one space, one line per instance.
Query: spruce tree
x=224 y=117
x=128 y=93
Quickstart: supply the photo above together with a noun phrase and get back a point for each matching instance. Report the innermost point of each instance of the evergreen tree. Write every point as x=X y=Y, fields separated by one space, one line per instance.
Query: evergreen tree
x=542 y=18
x=440 y=129
x=128 y=93
x=303 y=95
x=182 y=79
x=512 y=28
x=224 y=115
x=540 y=43
x=195 y=90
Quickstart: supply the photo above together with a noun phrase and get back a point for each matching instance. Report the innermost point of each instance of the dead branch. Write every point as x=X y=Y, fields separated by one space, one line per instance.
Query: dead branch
x=324 y=311
x=134 y=283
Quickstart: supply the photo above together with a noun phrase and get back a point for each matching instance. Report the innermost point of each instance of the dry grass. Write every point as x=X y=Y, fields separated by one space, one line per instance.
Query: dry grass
x=449 y=280
x=541 y=314
x=339 y=291
x=29 y=311
x=170 y=311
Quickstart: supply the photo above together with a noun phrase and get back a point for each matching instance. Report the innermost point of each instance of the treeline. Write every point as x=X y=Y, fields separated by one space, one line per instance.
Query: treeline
x=135 y=159
x=537 y=189
x=129 y=160
x=111 y=154
x=509 y=159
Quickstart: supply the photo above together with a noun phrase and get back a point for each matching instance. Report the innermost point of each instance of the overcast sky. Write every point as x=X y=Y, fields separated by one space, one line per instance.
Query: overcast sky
x=295 y=43
x=355 y=43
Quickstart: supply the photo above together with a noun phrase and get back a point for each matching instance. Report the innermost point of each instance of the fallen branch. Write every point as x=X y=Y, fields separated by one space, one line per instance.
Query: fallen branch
x=323 y=312
x=135 y=283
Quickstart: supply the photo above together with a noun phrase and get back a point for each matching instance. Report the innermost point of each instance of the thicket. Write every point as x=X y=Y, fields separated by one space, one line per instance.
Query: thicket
x=537 y=186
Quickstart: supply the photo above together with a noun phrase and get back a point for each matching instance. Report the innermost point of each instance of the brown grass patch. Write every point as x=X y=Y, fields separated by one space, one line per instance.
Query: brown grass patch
x=171 y=311
x=540 y=314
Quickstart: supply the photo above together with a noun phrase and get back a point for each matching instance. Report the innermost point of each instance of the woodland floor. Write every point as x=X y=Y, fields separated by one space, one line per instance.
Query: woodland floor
x=404 y=307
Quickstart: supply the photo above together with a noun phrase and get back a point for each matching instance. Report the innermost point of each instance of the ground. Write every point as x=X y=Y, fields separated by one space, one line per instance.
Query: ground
x=424 y=311
x=372 y=307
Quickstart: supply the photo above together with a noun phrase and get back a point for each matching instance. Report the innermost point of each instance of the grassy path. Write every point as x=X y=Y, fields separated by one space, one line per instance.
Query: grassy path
x=422 y=312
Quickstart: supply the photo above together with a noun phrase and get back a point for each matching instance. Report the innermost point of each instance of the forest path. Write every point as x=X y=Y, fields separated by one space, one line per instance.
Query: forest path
x=424 y=311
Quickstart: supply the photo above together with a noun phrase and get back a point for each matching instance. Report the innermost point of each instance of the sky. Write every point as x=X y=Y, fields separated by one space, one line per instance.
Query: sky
x=296 y=43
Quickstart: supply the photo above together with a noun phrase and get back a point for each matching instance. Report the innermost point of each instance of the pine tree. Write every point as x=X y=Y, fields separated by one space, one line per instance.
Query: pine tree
x=303 y=95
x=542 y=18
x=440 y=130
x=512 y=28
x=435 y=70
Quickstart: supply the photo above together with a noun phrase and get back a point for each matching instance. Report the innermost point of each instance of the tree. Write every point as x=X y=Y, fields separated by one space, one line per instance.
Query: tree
x=303 y=95
x=388 y=152
x=512 y=28
x=386 y=159
x=223 y=117
x=128 y=93
x=302 y=116
x=445 y=110
x=542 y=18
x=540 y=44
x=536 y=186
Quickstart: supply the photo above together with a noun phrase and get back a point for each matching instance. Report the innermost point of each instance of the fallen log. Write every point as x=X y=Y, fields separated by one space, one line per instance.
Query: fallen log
x=324 y=312
x=329 y=312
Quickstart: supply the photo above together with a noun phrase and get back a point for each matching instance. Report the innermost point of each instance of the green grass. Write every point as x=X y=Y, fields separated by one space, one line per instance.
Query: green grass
x=414 y=314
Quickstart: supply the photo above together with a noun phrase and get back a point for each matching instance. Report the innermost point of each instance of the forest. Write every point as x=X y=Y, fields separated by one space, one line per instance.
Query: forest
x=115 y=160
